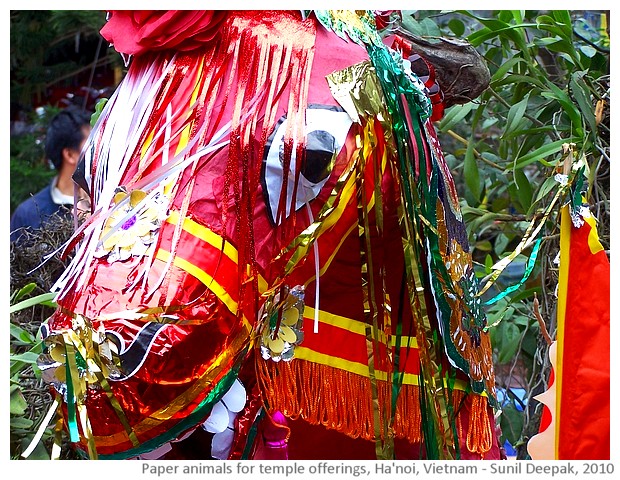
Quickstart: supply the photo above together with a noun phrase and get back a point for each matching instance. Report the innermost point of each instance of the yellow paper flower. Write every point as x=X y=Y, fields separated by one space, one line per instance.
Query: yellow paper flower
x=278 y=340
x=285 y=334
x=131 y=227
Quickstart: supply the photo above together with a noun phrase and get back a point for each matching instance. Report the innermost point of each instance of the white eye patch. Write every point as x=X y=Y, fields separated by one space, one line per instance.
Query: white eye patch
x=326 y=130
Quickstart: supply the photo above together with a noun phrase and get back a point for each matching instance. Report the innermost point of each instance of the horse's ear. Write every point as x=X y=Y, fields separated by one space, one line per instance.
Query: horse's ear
x=462 y=73
x=326 y=130
x=79 y=176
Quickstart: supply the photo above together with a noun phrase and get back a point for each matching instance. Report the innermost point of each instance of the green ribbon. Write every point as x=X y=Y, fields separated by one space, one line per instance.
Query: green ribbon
x=74 y=435
x=528 y=270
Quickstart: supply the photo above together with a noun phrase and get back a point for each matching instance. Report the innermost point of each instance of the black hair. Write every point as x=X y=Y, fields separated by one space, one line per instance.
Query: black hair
x=65 y=131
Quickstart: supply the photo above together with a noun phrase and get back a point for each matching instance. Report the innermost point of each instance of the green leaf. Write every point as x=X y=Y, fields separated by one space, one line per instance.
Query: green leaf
x=471 y=172
x=22 y=335
x=21 y=423
x=548 y=185
x=501 y=243
x=455 y=115
x=511 y=423
x=549 y=24
x=568 y=58
x=484 y=246
x=541 y=153
x=497 y=28
x=44 y=299
x=525 y=294
x=510 y=342
x=25 y=290
x=488 y=263
x=518 y=15
x=99 y=106
x=18 y=402
x=546 y=41
x=493 y=320
x=505 y=67
x=529 y=131
x=514 y=79
x=457 y=27
x=28 y=357
x=582 y=95
x=424 y=28
x=521 y=321
x=524 y=189
x=19 y=362
x=488 y=122
x=565 y=101
x=563 y=19
x=515 y=114
x=588 y=50
x=514 y=33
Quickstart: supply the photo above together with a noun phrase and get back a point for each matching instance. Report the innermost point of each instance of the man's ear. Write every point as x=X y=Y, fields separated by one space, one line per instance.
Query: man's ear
x=70 y=156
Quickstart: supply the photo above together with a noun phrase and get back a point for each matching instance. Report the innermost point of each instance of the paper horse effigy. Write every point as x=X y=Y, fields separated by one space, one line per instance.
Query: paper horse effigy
x=275 y=242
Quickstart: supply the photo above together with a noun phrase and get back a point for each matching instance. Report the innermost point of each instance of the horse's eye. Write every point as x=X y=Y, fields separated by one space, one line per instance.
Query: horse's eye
x=326 y=130
x=321 y=150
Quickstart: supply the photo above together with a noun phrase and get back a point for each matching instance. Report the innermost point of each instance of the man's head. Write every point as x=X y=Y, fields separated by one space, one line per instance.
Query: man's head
x=65 y=136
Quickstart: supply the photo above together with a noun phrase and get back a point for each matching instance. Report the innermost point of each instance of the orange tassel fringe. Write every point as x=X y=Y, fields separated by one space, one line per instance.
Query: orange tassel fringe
x=339 y=400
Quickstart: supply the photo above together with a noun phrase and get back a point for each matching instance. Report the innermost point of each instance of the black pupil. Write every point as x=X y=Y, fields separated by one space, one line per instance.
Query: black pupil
x=320 y=148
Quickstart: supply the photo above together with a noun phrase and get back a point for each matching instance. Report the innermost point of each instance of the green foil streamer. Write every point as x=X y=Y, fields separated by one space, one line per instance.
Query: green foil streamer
x=72 y=376
x=405 y=117
x=531 y=262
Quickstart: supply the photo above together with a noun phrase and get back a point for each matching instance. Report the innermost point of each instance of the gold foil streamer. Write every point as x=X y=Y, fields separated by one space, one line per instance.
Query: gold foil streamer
x=330 y=213
x=384 y=435
x=58 y=429
x=357 y=87
x=358 y=91
x=83 y=340
x=528 y=239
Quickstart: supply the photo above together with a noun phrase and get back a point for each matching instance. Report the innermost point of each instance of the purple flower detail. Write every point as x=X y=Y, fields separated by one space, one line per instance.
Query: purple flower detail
x=129 y=223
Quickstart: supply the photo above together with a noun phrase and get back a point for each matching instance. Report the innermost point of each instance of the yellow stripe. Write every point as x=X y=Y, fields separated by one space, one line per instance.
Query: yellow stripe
x=593 y=241
x=354 y=326
x=359 y=328
x=303 y=353
x=201 y=275
x=205 y=234
x=145 y=147
x=207 y=279
x=213 y=239
x=565 y=237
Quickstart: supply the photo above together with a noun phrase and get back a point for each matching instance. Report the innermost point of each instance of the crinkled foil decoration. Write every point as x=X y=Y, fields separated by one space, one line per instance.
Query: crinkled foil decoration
x=281 y=323
x=79 y=359
x=358 y=25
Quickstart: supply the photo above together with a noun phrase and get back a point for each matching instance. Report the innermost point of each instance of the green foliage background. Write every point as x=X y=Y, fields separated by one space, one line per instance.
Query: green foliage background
x=549 y=73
